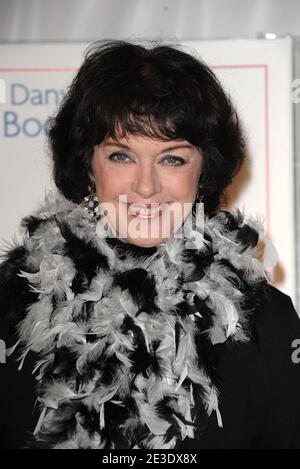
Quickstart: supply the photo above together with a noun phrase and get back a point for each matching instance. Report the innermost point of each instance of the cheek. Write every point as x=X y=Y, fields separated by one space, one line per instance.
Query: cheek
x=184 y=185
x=108 y=182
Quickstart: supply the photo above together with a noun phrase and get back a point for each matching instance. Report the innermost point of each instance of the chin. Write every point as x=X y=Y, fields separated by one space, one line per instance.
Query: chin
x=146 y=242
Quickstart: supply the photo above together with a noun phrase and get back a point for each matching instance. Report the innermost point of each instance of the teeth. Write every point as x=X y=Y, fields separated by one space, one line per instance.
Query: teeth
x=144 y=211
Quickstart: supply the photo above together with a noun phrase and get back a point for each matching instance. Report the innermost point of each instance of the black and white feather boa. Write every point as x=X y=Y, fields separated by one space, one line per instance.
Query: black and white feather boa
x=124 y=336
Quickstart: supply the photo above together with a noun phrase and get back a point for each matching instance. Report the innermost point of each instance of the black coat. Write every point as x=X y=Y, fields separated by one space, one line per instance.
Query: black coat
x=259 y=392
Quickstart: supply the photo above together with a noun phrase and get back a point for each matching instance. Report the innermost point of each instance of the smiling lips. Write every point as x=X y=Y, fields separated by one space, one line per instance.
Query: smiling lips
x=146 y=210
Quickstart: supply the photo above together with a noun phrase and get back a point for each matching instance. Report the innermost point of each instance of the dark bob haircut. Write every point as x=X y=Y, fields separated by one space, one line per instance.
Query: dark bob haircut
x=157 y=91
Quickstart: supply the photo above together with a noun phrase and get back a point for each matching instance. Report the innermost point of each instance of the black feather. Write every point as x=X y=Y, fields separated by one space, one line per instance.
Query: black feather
x=87 y=259
x=32 y=223
x=140 y=357
x=248 y=236
x=141 y=287
x=15 y=293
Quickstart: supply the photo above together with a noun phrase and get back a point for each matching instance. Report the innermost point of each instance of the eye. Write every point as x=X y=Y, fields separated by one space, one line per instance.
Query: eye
x=174 y=161
x=118 y=157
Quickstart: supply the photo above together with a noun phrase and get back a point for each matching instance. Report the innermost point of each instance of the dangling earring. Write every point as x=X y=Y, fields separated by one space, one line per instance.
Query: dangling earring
x=90 y=203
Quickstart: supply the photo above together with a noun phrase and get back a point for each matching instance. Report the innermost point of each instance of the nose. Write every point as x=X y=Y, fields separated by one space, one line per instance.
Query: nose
x=146 y=180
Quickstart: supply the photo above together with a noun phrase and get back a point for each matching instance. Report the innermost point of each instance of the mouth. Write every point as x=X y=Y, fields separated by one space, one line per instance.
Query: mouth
x=151 y=210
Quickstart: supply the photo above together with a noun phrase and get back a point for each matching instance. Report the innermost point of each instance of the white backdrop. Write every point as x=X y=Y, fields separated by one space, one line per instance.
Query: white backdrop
x=256 y=73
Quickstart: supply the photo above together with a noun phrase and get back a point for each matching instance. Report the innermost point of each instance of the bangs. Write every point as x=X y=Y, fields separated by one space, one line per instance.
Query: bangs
x=137 y=117
x=121 y=126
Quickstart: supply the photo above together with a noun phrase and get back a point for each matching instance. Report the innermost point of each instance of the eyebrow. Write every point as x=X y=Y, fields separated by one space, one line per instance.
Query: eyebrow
x=173 y=147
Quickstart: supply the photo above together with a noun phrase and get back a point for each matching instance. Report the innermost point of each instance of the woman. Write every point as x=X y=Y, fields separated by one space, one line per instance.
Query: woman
x=140 y=307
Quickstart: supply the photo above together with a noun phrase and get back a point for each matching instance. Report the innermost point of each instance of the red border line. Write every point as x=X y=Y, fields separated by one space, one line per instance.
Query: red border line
x=40 y=69
x=239 y=66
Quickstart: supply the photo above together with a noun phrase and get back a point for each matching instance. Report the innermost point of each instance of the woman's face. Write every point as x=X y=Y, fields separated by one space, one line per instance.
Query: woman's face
x=146 y=187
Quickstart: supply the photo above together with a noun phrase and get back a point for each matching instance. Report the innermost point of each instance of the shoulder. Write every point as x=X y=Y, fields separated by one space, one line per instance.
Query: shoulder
x=278 y=332
x=276 y=315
